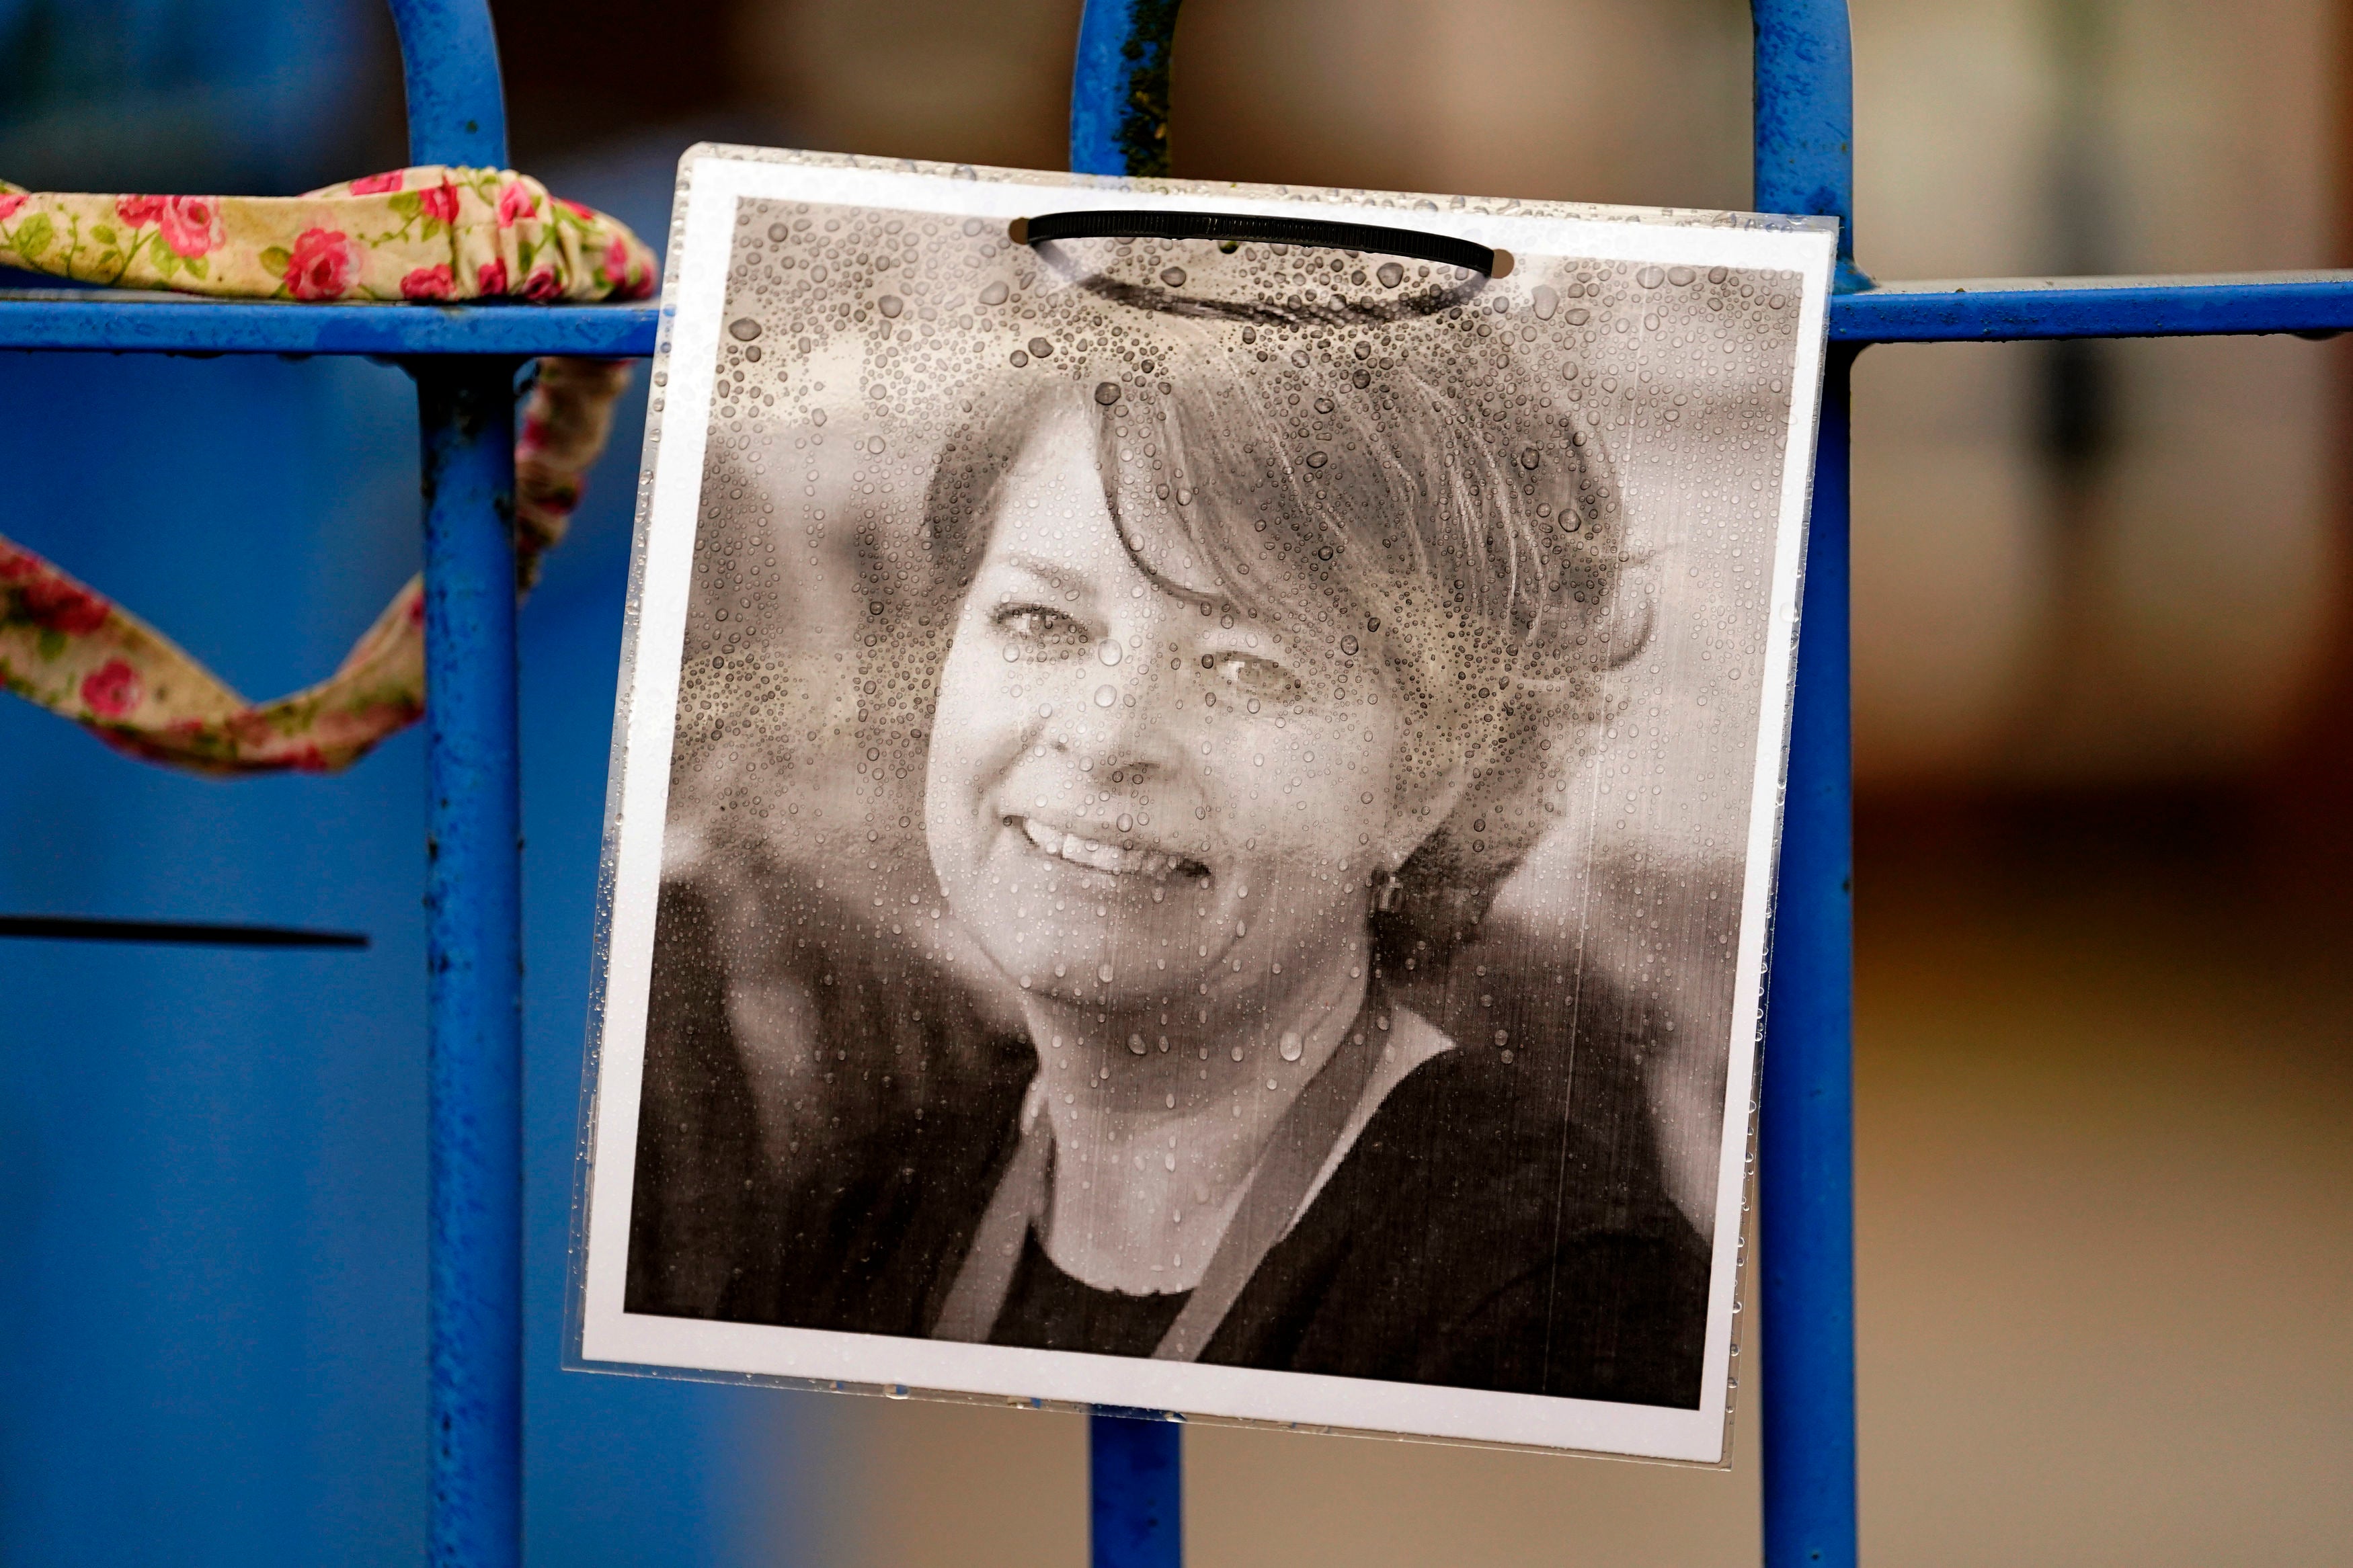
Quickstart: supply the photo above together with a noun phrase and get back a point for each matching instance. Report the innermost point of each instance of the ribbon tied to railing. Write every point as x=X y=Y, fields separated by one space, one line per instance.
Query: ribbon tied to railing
x=429 y=234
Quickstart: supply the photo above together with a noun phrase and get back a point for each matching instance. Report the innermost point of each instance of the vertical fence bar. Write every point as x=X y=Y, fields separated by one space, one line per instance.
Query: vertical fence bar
x=1806 y=1138
x=1119 y=88
x=1119 y=125
x=1805 y=164
x=474 y=881
x=473 y=951
x=1136 y=1485
x=449 y=80
x=1804 y=116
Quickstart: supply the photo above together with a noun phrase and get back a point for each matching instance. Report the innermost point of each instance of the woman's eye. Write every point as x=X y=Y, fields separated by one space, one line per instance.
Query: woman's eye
x=1040 y=632
x=1261 y=677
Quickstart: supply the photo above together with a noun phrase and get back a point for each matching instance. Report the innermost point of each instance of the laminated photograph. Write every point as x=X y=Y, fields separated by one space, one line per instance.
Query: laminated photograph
x=1195 y=799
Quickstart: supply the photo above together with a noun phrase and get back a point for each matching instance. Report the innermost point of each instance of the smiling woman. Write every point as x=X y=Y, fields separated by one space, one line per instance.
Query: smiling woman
x=1237 y=659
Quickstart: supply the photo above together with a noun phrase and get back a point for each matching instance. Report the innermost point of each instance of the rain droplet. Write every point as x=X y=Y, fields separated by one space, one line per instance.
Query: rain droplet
x=1718 y=274
x=890 y=305
x=993 y=294
x=1013 y=656
x=1173 y=276
x=1019 y=359
x=1039 y=348
x=1126 y=822
x=1317 y=459
x=1136 y=1045
x=1390 y=274
x=1107 y=393
x=1548 y=300
x=1104 y=974
x=1362 y=378
x=1291 y=1047
x=1530 y=458
x=1108 y=650
x=777 y=232
x=1681 y=276
x=743 y=329
x=1348 y=645
x=1650 y=277
x=1105 y=695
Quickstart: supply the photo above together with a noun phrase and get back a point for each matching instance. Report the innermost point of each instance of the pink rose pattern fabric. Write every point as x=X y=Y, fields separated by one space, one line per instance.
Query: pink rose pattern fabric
x=357 y=240
x=428 y=234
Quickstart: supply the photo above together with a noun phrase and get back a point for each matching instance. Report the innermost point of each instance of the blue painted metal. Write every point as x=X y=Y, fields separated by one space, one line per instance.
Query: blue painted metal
x=1975 y=310
x=474 y=963
x=1804 y=117
x=449 y=77
x=457 y=114
x=1805 y=1145
x=1136 y=1479
x=1119 y=88
x=2002 y=309
x=1119 y=109
x=176 y=323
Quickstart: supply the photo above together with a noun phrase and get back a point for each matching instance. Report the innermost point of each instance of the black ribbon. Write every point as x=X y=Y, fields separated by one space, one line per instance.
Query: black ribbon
x=1234 y=228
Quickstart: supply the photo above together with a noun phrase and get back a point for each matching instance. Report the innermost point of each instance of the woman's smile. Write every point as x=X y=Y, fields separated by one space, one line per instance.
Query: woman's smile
x=1149 y=861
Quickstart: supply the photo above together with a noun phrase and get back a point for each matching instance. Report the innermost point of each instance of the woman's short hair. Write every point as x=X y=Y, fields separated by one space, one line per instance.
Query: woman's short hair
x=1416 y=496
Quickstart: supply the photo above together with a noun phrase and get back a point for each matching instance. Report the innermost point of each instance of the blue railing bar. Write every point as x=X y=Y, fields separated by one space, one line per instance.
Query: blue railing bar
x=449 y=77
x=1135 y=1468
x=1120 y=44
x=1977 y=309
x=181 y=324
x=1135 y=1483
x=457 y=114
x=1804 y=1150
x=1804 y=115
x=1985 y=310
x=473 y=902
x=1805 y=1184
x=1933 y=311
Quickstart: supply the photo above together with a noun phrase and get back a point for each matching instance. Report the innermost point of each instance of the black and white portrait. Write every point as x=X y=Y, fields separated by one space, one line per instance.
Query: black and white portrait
x=1193 y=818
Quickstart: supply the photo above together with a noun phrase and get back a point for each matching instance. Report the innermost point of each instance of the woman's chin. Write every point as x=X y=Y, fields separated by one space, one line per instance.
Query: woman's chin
x=1091 y=974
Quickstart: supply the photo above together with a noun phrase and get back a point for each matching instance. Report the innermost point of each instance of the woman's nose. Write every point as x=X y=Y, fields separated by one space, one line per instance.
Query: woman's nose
x=1125 y=719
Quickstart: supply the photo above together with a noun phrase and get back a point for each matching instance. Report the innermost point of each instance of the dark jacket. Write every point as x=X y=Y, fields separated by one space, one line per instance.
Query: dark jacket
x=1499 y=1224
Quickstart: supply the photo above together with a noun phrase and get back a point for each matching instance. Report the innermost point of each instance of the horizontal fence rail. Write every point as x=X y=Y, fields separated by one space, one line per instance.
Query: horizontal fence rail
x=1976 y=309
x=180 y=324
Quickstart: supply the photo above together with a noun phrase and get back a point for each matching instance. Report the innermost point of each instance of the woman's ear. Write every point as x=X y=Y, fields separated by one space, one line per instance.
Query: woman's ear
x=1422 y=806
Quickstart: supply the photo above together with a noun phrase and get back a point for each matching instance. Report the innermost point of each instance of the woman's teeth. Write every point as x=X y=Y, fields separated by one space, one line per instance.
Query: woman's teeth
x=1154 y=863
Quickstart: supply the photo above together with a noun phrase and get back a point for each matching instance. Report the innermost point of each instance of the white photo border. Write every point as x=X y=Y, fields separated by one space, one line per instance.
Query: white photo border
x=601 y=1335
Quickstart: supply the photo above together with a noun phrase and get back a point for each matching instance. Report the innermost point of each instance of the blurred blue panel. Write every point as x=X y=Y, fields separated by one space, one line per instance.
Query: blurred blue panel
x=212 y=1195
x=269 y=97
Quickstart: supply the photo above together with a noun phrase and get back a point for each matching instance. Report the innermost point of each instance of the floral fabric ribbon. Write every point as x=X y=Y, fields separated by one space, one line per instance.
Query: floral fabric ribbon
x=424 y=234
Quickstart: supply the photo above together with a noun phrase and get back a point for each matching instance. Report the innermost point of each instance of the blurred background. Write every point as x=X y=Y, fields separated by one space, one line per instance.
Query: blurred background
x=2104 y=683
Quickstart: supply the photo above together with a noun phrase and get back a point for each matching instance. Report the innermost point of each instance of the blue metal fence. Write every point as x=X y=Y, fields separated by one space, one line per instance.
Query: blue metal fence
x=464 y=360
